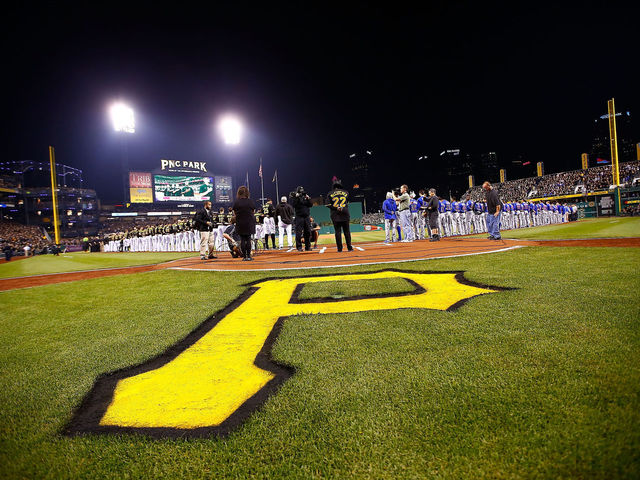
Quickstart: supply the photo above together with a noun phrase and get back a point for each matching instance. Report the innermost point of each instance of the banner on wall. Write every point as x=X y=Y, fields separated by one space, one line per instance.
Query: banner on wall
x=141 y=195
x=139 y=180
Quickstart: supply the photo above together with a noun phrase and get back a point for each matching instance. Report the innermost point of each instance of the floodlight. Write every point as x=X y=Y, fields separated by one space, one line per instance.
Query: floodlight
x=122 y=118
x=230 y=129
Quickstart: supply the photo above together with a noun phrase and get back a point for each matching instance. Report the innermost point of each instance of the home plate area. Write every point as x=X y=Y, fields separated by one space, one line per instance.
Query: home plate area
x=362 y=254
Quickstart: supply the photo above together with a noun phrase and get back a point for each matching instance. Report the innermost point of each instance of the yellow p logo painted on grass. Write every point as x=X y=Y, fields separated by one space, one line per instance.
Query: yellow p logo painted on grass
x=213 y=379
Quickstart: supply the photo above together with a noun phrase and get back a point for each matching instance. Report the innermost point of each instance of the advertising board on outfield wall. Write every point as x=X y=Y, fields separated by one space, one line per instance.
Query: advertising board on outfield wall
x=140 y=187
x=140 y=195
x=223 y=189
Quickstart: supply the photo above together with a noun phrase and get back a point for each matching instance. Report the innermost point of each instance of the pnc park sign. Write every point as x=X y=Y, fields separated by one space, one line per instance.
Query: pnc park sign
x=183 y=166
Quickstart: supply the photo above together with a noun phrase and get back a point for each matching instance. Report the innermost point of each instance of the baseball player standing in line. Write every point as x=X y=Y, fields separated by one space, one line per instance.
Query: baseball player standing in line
x=404 y=214
x=390 y=222
x=284 y=212
x=269 y=224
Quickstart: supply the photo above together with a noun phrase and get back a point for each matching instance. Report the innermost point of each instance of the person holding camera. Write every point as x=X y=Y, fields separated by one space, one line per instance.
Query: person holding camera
x=301 y=203
x=338 y=203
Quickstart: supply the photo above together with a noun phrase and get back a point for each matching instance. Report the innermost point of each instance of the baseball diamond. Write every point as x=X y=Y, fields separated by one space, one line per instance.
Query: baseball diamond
x=314 y=241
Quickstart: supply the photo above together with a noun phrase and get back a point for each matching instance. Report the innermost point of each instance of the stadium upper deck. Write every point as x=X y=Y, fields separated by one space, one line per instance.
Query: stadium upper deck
x=563 y=183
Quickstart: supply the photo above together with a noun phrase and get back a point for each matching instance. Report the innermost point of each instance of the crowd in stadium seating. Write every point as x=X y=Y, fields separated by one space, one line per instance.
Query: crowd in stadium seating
x=372 y=218
x=14 y=237
x=564 y=183
x=123 y=224
x=632 y=210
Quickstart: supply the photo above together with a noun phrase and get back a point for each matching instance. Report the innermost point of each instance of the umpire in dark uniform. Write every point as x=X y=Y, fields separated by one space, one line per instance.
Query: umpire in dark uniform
x=338 y=203
x=301 y=204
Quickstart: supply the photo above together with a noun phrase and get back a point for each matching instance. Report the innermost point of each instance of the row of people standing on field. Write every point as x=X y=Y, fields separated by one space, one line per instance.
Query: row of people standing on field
x=246 y=217
x=407 y=216
x=250 y=222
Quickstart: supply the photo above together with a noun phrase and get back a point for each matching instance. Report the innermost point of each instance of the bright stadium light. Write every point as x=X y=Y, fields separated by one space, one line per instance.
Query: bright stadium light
x=230 y=129
x=122 y=118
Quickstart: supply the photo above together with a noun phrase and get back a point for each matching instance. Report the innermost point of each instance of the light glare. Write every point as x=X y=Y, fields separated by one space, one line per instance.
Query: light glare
x=122 y=118
x=231 y=130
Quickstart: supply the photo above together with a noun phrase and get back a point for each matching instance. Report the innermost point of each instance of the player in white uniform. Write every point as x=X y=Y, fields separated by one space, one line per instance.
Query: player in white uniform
x=269 y=223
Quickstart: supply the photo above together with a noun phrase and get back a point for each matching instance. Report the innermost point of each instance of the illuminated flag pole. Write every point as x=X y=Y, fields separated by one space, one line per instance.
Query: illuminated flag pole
x=275 y=179
x=261 y=181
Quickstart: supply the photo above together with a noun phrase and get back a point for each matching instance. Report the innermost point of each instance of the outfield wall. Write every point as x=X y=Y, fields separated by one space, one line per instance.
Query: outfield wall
x=321 y=215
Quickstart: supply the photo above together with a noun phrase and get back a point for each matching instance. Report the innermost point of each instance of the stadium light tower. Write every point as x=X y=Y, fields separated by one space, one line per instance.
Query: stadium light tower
x=124 y=123
x=231 y=129
x=122 y=118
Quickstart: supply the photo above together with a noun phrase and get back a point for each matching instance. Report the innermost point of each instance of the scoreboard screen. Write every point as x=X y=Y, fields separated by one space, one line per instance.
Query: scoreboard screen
x=183 y=189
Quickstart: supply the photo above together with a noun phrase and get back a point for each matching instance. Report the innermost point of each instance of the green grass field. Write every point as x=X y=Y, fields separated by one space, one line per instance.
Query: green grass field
x=76 y=261
x=588 y=228
x=373 y=236
x=72 y=262
x=538 y=382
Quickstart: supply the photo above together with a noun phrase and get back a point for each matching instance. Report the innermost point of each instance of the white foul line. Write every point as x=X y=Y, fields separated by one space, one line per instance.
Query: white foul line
x=334 y=266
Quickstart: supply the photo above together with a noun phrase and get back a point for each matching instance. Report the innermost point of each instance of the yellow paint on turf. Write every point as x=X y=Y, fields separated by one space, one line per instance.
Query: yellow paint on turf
x=211 y=379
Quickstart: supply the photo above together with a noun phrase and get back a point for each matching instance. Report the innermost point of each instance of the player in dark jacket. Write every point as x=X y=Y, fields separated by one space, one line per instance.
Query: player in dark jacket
x=432 y=209
x=338 y=203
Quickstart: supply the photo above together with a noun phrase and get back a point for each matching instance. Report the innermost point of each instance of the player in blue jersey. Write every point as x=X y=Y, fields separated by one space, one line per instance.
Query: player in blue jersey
x=422 y=208
x=478 y=223
x=389 y=207
x=413 y=209
x=456 y=214
x=444 y=209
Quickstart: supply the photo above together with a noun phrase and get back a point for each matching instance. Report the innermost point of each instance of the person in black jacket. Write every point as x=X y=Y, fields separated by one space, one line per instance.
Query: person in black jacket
x=301 y=204
x=284 y=213
x=338 y=203
x=432 y=212
x=244 y=209
x=206 y=224
x=494 y=207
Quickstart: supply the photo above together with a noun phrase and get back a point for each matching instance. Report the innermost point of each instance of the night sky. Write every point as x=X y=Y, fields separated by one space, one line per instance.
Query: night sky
x=314 y=84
